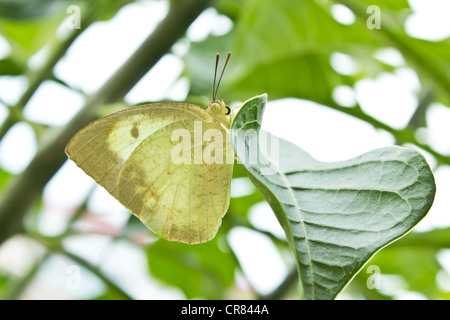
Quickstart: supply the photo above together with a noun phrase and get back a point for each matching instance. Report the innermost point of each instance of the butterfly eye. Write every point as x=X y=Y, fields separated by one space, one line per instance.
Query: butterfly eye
x=228 y=110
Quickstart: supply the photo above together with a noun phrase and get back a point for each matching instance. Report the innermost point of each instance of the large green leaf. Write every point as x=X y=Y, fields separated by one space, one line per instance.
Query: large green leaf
x=335 y=215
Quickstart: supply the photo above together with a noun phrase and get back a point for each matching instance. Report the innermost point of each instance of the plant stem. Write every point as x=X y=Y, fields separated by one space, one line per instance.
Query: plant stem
x=419 y=119
x=21 y=192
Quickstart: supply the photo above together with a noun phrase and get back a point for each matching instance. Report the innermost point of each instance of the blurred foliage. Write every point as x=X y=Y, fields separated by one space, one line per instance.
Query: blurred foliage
x=199 y=271
x=282 y=47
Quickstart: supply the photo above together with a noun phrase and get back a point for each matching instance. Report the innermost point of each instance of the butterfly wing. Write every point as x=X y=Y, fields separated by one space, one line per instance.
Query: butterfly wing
x=102 y=147
x=129 y=150
x=178 y=201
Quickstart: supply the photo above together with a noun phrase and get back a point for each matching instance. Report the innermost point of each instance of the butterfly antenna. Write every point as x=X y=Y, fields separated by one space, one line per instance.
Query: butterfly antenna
x=215 y=74
x=223 y=70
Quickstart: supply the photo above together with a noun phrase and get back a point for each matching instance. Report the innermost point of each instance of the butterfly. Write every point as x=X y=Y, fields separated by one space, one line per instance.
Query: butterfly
x=170 y=164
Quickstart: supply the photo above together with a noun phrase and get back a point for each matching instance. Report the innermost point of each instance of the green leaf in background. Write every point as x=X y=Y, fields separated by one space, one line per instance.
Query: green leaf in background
x=4 y=176
x=199 y=62
x=418 y=265
x=294 y=41
x=415 y=262
x=9 y=66
x=200 y=271
x=336 y=215
x=429 y=58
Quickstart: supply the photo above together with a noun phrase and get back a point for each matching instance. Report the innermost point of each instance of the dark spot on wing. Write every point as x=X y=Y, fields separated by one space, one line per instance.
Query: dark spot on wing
x=135 y=132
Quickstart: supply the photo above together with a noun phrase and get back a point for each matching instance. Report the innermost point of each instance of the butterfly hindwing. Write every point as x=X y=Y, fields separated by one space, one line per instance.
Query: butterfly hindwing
x=178 y=201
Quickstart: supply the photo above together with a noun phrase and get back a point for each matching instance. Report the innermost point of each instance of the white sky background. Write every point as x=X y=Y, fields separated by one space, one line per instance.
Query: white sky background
x=326 y=134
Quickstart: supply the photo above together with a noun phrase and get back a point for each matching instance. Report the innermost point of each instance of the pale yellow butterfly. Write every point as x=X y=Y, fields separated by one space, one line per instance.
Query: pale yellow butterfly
x=170 y=164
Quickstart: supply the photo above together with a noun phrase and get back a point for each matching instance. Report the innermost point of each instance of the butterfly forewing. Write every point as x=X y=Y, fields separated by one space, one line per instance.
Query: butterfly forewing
x=102 y=147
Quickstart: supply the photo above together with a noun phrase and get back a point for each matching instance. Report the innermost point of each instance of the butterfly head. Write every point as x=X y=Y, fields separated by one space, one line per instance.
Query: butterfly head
x=219 y=108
